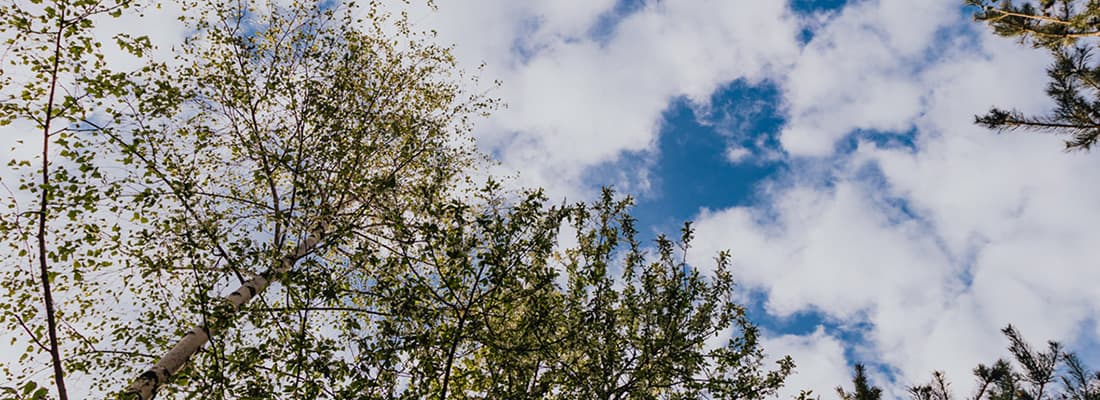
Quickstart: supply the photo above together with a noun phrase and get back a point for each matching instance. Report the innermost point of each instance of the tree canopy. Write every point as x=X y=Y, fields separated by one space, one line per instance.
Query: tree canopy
x=285 y=210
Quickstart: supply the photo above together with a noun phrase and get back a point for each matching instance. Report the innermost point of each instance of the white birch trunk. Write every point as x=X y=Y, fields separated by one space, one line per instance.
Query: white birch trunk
x=146 y=385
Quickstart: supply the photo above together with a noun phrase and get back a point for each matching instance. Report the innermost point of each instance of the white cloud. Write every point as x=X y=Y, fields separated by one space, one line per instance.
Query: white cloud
x=568 y=18
x=936 y=246
x=855 y=72
x=737 y=154
x=577 y=102
x=816 y=356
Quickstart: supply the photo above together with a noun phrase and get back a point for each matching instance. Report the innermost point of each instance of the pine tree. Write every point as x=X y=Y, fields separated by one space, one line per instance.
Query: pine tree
x=938 y=389
x=1030 y=375
x=1068 y=29
x=863 y=389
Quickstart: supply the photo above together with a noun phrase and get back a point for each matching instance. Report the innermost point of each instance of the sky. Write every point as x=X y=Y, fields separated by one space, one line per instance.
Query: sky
x=829 y=145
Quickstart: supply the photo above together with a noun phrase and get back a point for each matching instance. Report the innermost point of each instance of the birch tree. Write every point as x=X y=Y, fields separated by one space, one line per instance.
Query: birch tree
x=54 y=77
x=290 y=142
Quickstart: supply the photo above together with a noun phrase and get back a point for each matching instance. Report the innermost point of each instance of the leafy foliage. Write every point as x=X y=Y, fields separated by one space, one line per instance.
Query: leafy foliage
x=313 y=157
x=659 y=330
x=475 y=318
x=54 y=77
x=293 y=141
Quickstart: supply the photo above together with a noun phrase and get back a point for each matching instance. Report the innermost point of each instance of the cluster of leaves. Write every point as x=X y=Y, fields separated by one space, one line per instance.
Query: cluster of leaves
x=56 y=237
x=1069 y=30
x=474 y=305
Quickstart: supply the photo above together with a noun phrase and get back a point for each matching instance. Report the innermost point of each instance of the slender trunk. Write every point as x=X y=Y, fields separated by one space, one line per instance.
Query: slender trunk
x=47 y=295
x=146 y=384
x=534 y=381
x=451 y=355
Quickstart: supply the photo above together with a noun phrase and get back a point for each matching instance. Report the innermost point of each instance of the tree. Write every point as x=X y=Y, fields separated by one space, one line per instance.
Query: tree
x=935 y=390
x=649 y=332
x=632 y=327
x=1030 y=375
x=312 y=125
x=1032 y=381
x=459 y=301
x=319 y=131
x=1065 y=28
x=55 y=75
x=863 y=390
x=595 y=321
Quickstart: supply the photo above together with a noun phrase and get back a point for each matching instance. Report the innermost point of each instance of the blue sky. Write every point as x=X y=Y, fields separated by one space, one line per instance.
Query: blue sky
x=691 y=169
x=829 y=145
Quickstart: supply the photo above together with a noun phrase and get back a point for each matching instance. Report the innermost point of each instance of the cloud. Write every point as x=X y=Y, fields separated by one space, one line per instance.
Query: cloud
x=816 y=356
x=934 y=246
x=737 y=154
x=854 y=72
x=578 y=101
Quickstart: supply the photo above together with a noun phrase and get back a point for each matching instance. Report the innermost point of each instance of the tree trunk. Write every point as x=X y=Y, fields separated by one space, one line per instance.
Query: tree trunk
x=146 y=384
x=47 y=295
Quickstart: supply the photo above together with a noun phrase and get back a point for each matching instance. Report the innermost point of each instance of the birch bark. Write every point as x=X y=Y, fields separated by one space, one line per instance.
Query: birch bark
x=146 y=385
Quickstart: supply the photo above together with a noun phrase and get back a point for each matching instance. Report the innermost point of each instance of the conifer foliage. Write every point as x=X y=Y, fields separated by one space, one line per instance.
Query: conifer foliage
x=1031 y=374
x=1069 y=29
x=862 y=388
x=1034 y=375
